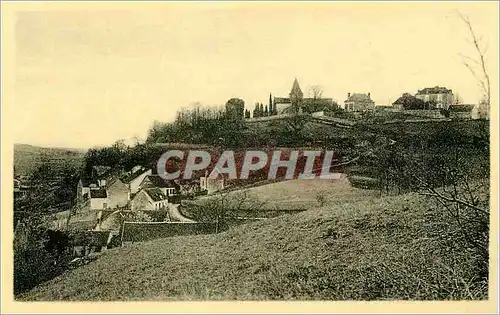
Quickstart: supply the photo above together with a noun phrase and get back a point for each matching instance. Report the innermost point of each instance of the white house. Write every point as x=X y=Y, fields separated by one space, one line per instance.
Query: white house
x=135 y=179
x=149 y=199
x=98 y=199
x=213 y=182
x=168 y=187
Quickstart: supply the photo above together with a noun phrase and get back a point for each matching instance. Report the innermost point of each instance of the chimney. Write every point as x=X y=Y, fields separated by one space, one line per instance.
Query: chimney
x=368 y=94
x=348 y=95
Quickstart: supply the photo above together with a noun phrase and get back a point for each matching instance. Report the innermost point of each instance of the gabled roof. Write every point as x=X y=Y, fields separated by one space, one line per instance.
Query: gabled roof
x=217 y=174
x=98 y=193
x=359 y=97
x=155 y=193
x=282 y=100
x=434 y=90
x=87 y=181
x=407 y=99
x=461 y=108
x=128 y=178
x=159 y=182
x=112 y=180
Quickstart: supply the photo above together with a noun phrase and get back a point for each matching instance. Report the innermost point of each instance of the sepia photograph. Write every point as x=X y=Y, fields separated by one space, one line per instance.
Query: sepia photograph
x=250 y=151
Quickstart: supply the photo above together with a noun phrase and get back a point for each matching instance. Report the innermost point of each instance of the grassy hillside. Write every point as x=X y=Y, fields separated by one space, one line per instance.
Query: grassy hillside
x=296 y=194
x=28 y=157
x=382 y=248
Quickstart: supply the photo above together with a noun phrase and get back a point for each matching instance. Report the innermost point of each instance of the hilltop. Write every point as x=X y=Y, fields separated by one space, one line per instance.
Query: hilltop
x=28 y=157
x=397 y=247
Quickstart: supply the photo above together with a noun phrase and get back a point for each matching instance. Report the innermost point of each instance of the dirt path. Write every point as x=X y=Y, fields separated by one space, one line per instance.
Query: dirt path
x=175 y=215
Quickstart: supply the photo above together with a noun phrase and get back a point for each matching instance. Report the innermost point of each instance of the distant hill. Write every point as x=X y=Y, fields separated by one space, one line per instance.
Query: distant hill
x=28 y=157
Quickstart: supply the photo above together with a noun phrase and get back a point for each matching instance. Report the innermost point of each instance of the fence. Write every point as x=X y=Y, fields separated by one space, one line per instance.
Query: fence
x=145 y=231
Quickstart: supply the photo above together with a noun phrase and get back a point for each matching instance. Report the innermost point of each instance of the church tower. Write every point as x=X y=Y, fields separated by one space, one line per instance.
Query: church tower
x=296 y=96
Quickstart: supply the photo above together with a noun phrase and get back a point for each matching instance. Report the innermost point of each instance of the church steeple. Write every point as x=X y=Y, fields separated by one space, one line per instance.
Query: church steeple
x=296 y=92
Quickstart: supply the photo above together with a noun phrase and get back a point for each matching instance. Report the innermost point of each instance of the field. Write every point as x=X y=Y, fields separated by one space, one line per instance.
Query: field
x=380 y=248
x=299 y=194
x=27 y=158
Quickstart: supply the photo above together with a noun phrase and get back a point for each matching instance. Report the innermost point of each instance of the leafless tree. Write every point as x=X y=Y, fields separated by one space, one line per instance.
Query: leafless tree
x=467 y=206
x=316 y=91
x=220 y=207
x=477 y=65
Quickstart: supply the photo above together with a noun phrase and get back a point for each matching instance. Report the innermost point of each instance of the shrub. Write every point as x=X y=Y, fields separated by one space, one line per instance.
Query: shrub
x=36 y=259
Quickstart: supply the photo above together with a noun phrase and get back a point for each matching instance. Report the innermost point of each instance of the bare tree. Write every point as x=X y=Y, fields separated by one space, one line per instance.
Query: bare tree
x=316 y=91
x=226 y=205
x=467 y=206
x=473 y=64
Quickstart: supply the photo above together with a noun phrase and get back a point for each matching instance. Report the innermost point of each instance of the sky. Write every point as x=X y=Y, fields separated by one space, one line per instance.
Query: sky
x=89 y=76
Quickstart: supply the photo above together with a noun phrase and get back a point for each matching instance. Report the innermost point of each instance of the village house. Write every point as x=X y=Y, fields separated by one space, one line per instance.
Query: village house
x=149 y=199
x=440 y=96
x=83 y=189
x=98 y=199
x=168 y=187
x=461 y=111
x=356 y=102
x=118 y=193
x=212 y=182
x=20 y=190
x=409 y=102
x=135 y=179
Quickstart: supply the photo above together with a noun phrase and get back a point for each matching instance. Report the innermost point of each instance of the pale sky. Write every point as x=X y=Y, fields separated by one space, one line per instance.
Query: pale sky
x=90 y=77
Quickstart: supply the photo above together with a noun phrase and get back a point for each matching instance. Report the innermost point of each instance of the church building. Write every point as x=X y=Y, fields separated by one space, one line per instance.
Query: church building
x=296 y=103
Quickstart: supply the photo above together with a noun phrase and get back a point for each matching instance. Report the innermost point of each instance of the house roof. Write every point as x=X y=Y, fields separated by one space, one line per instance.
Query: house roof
x=98 y=193
x=112 y=180
x=87 y=181
x=407 y=99
x=128 y=178
x=155 y=193
x=82 y=225
x=461 y=107
x=281 y=100
x=434 y=90
x=359 y=97
x=216 y=173
x=159 y=182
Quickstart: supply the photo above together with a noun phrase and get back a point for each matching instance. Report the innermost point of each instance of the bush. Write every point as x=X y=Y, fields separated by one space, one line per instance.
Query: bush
x=36 y=259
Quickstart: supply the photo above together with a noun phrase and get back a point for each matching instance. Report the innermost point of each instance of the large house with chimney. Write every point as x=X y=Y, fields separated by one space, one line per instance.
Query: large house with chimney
x=440 y=96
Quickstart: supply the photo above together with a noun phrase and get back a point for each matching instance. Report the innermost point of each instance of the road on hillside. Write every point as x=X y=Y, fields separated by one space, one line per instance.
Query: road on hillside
x=175 y=215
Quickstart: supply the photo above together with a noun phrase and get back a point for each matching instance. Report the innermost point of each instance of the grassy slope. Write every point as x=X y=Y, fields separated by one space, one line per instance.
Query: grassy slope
x=28 y=157
x=390 y=248
x=301 y=193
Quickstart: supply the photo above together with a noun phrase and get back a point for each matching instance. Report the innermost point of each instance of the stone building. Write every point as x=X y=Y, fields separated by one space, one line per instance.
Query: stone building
x=212 y=182
x=118 y=194
x=440 y=96
x=148 y=199
x=357 y=102
x=296 y=103
x=167 y=187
